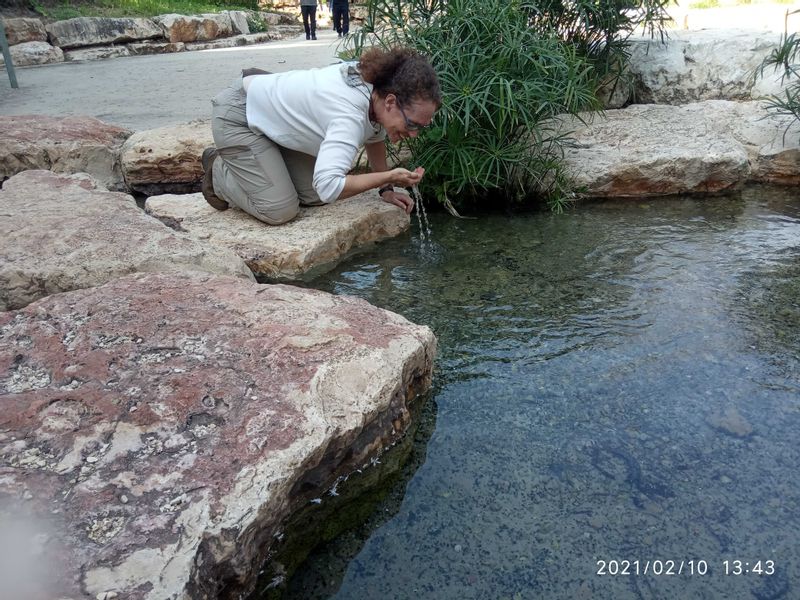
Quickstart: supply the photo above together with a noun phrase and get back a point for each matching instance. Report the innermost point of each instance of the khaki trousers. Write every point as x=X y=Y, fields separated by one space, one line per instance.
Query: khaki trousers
x=251 y=171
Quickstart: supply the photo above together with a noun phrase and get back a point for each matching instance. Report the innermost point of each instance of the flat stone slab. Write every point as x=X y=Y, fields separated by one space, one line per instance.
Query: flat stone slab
x=702 y=65
x=62 y=145
x=656 y=150
x=61 y=233
x=157 y=431
x=319 y=237
x=166 y=159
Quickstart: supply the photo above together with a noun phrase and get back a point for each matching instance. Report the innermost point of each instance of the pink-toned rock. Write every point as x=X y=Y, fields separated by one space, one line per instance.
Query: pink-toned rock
x=166 y=159
x=157 y=431
x=61 y=233
x=24 y=29
x=195 y=28
x=63 y=145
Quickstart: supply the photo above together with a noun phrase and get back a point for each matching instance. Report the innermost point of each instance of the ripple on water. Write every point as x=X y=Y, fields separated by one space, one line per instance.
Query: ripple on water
x=587 y=364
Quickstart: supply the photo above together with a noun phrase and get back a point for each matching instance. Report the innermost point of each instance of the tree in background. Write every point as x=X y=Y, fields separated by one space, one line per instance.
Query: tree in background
x=506 y=67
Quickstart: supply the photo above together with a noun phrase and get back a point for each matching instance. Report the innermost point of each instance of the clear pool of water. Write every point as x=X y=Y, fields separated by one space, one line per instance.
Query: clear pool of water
x=618 y=383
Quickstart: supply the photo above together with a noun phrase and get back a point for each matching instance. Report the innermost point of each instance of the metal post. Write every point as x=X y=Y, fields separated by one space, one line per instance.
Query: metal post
x=12 y=76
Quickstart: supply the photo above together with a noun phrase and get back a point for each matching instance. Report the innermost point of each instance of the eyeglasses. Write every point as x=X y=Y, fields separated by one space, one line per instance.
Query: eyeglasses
x=411 y=125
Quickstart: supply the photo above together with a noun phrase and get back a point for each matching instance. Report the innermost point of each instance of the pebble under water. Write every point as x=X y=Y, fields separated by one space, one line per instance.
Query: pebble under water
x=617 y=383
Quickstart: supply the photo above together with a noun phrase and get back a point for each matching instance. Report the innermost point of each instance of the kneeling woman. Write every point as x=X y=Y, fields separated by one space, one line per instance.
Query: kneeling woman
x=288 y=139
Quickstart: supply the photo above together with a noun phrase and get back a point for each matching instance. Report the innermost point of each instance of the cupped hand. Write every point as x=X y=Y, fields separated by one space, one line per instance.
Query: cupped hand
x=406 y=178
x=404 y=201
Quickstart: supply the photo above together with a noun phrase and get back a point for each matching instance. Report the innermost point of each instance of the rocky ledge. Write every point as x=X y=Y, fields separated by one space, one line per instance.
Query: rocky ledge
x=316 y=239
x=158 y=430
x=649 y=150
x=65 y=232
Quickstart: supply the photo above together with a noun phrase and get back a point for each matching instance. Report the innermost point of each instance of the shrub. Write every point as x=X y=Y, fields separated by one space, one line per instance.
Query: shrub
x=506 y=68
x=783 y=59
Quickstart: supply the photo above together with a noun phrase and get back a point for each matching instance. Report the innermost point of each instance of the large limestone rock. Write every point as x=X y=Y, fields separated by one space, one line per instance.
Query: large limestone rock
x=772 y=141
x=167 y=159
x=95 y=31
x=33 y=53
x=239 y=24
x=195 y=28
x=63 y=145
x=24 y=30
x=705 y=147
x=96 y=53
x=318 y=238
x=60 y=233
x=157 y=431
x=702 y=65
x=155 y=47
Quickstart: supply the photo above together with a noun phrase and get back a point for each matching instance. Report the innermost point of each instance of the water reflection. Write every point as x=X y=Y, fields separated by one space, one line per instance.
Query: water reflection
x=619 y=382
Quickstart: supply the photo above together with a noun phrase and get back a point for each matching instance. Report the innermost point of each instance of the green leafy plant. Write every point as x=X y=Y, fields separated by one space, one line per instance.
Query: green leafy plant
x=784 y=59
x=507 y=68
x=256 y=24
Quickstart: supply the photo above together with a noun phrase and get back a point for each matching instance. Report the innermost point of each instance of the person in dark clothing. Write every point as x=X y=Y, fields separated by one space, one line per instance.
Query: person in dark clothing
x=341 y=16
x=309 y=10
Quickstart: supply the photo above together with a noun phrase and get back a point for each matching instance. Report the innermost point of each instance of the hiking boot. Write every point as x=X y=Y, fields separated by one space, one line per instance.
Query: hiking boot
x=209 y=154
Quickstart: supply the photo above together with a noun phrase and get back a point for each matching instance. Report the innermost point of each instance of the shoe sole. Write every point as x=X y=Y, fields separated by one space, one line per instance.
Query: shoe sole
x=207 y=160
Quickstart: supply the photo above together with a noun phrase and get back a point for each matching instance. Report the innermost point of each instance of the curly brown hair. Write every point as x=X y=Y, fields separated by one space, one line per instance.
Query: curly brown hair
x=400 y=71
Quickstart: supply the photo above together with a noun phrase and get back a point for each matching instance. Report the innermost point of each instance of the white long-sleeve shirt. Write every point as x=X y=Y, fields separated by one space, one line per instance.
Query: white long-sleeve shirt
x=322 y=112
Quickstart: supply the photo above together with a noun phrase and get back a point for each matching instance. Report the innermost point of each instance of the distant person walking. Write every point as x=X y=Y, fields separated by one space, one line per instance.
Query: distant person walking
x=341 y=16
x=309 y=10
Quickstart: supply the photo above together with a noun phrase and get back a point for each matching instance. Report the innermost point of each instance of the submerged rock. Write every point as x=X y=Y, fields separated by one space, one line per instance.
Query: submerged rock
x=319 y=237
x=159 y=429
x=61 y=233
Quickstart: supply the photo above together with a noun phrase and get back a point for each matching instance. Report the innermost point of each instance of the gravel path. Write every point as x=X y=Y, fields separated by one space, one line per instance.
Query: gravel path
x=143 y=92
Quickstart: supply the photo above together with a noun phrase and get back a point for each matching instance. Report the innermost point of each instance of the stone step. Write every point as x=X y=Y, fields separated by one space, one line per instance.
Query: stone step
x=317 y=239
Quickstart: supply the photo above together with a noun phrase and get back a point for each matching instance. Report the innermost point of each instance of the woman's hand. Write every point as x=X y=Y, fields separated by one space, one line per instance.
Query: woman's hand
x=404 y=201
x=404 y=177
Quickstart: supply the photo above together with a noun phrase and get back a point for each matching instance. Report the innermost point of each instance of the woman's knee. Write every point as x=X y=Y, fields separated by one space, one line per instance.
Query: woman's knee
x=273 y=214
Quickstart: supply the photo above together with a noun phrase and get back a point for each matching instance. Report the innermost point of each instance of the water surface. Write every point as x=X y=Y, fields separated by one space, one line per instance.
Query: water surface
x=619 y=382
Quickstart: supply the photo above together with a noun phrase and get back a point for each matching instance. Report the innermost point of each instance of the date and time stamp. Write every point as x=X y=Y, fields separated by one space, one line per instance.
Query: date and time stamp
x=735 y=567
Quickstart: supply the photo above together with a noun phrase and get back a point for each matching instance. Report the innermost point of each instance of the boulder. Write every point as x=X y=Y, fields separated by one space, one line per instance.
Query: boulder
x=24 y=29
x=166 y=159
x=655 y=150
x=155 y=47
x=228 y=42
x=64 y=232
x=63 y=145
x=317 y=239
x=195 y=28
x=157 y=431
x=772 y=141
x=702 y=65
x=248 y=39
x=26 y=54
x=96 y=31
x=96 y=53
x=239 y=23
